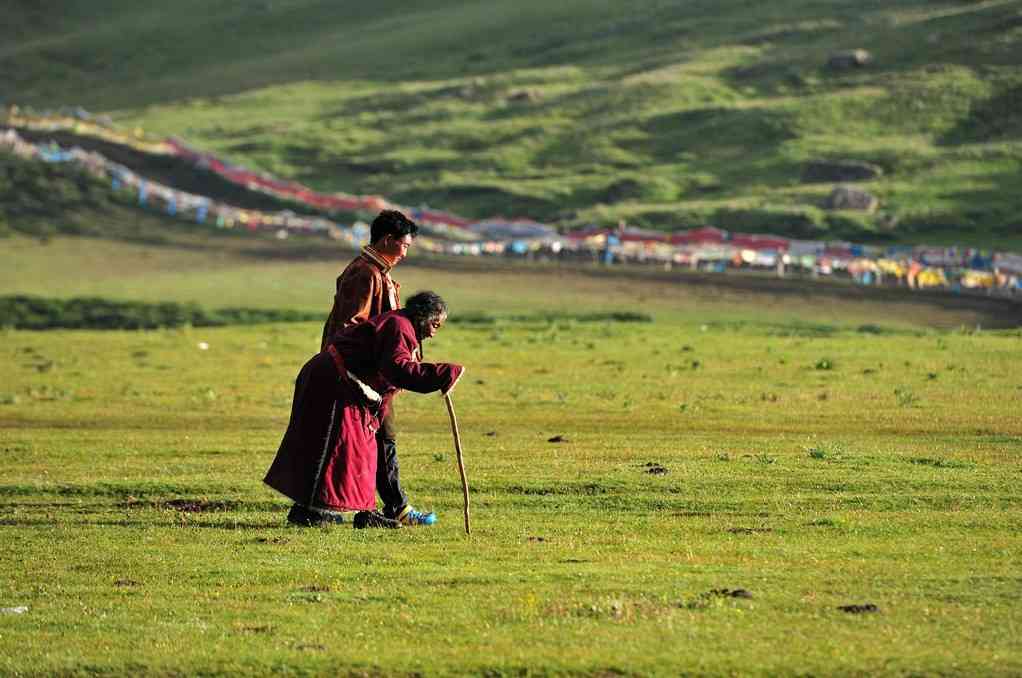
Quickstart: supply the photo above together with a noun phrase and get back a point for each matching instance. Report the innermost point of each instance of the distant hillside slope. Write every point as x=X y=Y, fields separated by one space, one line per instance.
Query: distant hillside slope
x=665 y=114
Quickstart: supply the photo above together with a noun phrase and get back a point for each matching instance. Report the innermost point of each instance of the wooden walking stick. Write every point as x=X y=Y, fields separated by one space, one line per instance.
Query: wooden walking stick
x=461 y=461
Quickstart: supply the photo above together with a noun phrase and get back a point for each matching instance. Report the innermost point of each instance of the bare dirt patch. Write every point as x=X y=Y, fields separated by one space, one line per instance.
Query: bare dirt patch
x=254 y=628
x=655 y=469
x=182 y=505
x=714 y=597
x=272 y=540
x=729 y=593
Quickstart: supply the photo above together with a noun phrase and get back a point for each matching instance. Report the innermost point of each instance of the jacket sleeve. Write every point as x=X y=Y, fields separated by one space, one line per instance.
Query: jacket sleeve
x=356 y=290
x=397 y=363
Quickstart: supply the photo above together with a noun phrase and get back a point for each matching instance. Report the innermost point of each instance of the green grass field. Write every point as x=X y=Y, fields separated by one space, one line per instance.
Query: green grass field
x=811 y=450
x=809 y=461
x=668 y=115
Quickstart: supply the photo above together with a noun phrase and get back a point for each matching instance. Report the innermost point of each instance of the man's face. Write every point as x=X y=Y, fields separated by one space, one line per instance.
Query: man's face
x=395 y=247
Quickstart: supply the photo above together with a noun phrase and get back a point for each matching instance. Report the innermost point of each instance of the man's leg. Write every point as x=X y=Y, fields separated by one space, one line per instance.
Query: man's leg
x=388 y=476
x=388 y=479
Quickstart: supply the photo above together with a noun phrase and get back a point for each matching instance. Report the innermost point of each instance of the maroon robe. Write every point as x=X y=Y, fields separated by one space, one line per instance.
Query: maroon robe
x=327 y=458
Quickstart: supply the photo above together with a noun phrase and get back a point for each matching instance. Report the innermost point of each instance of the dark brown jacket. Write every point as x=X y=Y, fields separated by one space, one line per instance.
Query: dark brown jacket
x=364 y=289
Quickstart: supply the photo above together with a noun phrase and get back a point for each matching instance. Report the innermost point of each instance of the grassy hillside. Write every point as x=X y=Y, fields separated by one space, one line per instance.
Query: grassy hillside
x=665 y=114
x=43 y=201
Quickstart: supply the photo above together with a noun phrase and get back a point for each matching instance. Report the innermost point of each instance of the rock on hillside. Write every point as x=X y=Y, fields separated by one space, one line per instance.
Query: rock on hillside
x=849 y=198
x=854 y=58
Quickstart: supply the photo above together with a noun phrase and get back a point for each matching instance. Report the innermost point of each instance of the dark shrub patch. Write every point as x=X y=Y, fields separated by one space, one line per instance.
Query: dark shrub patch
x=95 y=313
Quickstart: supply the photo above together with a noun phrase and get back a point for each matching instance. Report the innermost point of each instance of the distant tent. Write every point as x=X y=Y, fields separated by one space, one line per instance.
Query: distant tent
x=760 y=242
x=707 y=235
x=513 y=229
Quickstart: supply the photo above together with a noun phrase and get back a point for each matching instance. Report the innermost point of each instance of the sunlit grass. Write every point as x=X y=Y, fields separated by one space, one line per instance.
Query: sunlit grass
x=793 y=452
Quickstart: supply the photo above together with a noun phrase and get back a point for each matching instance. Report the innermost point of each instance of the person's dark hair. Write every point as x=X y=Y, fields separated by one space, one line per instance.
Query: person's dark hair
x=424 y=307
x=391 y=222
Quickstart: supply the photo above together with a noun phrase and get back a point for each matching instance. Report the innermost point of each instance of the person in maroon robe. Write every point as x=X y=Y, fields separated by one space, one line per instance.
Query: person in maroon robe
x=327 y=460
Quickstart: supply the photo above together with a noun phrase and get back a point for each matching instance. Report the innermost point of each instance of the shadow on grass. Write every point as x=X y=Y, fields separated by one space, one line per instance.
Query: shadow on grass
x=151 y=491
x=162 y=511
x=705 y=131
x=138 y=524
x=550 y=317
x=996 y=212
x=222 y=514
x=998 y=118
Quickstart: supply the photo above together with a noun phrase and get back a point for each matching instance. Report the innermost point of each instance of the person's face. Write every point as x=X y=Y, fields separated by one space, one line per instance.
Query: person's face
x=430 y=327
x=395 y=247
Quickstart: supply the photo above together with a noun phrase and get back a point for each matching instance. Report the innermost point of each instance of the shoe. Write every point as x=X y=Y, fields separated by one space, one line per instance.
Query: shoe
x=364 y=519
x=409 y=516
x=305 y=517
x=299 y=515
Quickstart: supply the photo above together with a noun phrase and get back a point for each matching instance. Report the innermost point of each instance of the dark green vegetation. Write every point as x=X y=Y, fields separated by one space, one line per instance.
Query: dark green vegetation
x=95 y=313
x=25 y=312
x=665 y=114
x=43 y=200
x=483 y=318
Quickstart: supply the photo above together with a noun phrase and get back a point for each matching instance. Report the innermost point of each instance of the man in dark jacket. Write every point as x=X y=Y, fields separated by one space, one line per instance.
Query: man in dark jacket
x=365 y=290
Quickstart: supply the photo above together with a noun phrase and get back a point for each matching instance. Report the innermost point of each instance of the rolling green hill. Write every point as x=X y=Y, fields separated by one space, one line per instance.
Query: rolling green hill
x=665 y=114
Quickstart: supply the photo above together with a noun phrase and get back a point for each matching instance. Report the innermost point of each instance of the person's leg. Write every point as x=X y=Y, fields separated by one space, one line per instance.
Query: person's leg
x=388 y=476
x=388 y=479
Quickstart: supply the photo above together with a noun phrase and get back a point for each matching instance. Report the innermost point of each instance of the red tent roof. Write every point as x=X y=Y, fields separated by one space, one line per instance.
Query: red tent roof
x=640 y=235
x=706 y=234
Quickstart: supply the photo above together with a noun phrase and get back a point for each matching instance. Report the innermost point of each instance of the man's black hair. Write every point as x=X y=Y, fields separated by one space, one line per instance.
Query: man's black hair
x=423 y=307
x=391 y=222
